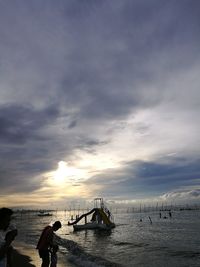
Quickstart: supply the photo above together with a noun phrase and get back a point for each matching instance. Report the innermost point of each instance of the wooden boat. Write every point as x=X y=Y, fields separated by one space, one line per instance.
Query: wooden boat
x=101 y=218
x=43 y=213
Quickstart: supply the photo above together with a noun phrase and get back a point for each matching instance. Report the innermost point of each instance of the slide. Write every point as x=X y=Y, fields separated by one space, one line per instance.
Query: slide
x=105 y=218
x=103 y=215
x=82 y=216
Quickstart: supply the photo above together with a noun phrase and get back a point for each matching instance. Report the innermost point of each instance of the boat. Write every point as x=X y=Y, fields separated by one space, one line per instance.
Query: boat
x=43 y=213
x=101 y=219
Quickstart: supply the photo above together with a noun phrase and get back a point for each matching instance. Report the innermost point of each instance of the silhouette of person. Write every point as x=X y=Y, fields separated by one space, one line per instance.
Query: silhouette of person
x=107 y=212
x=46 y=242
x=6 y=240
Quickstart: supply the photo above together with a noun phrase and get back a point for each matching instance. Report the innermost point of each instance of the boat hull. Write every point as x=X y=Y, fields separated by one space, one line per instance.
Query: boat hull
x=45 y=214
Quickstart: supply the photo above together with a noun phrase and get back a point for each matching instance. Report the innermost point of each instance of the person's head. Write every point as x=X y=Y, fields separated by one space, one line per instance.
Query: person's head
x=57 y=225
x=5 y=217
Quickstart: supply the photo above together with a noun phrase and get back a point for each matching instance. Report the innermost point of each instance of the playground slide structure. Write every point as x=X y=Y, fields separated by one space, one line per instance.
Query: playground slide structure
x=100 y=220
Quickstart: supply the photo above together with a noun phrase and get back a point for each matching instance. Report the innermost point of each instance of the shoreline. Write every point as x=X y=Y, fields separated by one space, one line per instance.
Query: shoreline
x=25 y=255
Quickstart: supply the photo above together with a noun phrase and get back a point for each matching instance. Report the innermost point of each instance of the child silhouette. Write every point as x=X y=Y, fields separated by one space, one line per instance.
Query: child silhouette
x=53 y=252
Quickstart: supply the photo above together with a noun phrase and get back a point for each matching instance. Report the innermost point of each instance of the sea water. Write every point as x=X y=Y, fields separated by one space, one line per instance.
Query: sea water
x=139 y=239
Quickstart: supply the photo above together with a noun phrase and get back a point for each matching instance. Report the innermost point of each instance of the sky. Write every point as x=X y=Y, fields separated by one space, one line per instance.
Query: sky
x=99 y=99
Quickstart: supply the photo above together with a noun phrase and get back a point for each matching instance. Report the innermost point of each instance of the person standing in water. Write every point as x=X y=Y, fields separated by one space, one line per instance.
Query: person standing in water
x=54 y=258
x=170 y=214
x=46 y=242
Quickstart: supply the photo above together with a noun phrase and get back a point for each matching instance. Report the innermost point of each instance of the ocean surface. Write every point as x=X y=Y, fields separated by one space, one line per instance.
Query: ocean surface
x=135 y=241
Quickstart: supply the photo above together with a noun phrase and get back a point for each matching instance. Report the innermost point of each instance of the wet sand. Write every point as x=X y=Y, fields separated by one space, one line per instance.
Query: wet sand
x=27 y=256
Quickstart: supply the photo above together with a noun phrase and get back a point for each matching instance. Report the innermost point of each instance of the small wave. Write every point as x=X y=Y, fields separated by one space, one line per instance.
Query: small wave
x=140 y=245
x=82 y=262
x=122 y=243
x=130 y=244
x=82 y=258
x=122 y=224
x=155 y=248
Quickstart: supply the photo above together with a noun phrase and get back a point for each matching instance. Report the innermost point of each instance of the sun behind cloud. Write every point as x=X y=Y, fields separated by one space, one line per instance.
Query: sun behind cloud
x=64 y=172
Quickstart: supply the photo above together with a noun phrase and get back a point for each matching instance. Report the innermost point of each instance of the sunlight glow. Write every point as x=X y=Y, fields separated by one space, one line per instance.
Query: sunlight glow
x=68 y=179
x=64 y=172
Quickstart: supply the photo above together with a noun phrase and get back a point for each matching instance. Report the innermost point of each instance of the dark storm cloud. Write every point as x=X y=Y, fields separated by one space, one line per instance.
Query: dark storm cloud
x=12 y=183
x=139 y=179
x=19 y=124
x=72 y=124
x=112 y=49
x=90 y=145
x=120 y=47
x=20 y=161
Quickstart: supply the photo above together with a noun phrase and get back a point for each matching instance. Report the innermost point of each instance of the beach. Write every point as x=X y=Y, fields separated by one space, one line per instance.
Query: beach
x=21 y=260
x=25 y=255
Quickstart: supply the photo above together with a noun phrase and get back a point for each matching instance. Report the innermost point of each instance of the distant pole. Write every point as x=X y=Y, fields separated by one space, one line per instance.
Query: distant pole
x=140 y=213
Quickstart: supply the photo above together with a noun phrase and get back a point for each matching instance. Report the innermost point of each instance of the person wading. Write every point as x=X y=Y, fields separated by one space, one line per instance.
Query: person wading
x=46 y=242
